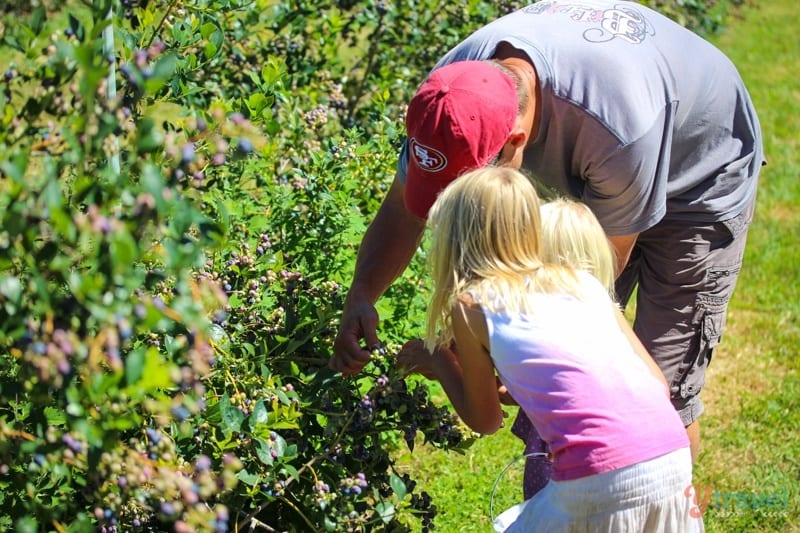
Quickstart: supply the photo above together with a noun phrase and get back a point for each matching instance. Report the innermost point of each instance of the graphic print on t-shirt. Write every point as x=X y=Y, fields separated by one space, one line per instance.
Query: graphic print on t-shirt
x=621 y=21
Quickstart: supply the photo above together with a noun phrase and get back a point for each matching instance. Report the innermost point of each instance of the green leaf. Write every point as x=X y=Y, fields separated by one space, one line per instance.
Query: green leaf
x=134 y=366
x=162 y=72
x=75 y=409
x=37 y=20
x=386 y=511
x=12 y=41
x=26 y=524
x=272 y=127
x=212 y=230
x=256 y=102
x=259 y=415
x=272 y=72
x=232 y=417
x=155 y=375
x=398 y=486
x=207 y=29
x=11 y=289
x=247 y=478
x=283 y=424
x=149 y=139
x=15 y=166
x=209 y=50
x=124 y=250
x=263 y=452
x=55 y=417
x=77 y=28
x=220 y=337
x=51 y=193
x=290 y=471
x=284 y=399
x=279 y=445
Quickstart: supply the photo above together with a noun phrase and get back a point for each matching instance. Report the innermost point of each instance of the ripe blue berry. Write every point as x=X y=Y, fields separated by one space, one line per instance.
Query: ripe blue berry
x=245 y=145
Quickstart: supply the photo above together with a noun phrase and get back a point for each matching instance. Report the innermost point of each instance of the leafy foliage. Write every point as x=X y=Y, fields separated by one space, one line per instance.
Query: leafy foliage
x=183 y=186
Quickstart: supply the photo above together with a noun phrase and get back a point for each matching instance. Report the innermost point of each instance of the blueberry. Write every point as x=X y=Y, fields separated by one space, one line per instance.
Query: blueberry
x=153 y=435
x=245 y=145
x=180 y=412
x=167 y=508
x=187 y=153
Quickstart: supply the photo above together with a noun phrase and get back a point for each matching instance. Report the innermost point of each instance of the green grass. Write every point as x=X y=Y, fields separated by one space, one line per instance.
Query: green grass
x=751 y=437
x=751 y=429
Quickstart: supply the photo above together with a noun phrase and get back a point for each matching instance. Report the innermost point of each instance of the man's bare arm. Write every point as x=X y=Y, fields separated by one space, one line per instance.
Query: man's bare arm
x=623 y=245
x=385 y=251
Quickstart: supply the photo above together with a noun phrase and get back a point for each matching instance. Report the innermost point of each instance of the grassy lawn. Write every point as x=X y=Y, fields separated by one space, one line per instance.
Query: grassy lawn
x=748 y=466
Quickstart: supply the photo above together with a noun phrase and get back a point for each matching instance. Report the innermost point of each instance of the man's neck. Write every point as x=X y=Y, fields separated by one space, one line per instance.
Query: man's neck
x=517 y=61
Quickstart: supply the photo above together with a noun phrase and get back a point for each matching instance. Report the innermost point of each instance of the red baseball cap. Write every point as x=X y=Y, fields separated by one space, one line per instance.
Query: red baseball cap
x=458 y=120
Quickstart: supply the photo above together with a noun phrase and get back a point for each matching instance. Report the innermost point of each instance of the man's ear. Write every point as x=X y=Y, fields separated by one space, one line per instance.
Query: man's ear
x=518 y=138
x=511 y=151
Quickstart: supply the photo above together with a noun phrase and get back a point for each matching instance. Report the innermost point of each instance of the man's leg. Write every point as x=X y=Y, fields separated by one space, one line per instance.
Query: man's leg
x=693 y=432
x=686 y=275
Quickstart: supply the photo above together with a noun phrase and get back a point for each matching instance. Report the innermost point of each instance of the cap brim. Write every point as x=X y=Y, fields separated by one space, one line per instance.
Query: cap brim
x=421 y=190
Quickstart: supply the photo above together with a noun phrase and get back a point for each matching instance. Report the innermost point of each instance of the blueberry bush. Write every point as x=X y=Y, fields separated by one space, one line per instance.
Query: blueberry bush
x=183 y=187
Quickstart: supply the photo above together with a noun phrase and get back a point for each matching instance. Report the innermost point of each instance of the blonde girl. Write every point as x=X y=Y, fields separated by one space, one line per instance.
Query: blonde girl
x=572 y=236
x=565 y=353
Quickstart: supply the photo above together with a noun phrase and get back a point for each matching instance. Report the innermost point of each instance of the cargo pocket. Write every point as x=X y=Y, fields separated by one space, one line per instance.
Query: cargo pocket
x=691 y=374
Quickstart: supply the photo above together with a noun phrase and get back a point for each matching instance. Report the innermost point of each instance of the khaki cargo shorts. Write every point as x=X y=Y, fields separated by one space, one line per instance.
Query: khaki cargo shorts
x=686 y=273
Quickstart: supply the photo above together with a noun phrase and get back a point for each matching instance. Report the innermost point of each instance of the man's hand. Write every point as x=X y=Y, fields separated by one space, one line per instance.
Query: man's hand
x=388 y=246
x=359 y=321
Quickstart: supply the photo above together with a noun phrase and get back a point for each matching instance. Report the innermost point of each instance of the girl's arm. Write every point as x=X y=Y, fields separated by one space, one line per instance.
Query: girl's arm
x=416 y=359
x=638 y=347
x=466 y=371
x=474 y=395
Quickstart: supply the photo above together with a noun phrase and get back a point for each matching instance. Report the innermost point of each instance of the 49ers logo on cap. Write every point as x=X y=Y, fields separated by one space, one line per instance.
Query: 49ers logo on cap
x=428 y=159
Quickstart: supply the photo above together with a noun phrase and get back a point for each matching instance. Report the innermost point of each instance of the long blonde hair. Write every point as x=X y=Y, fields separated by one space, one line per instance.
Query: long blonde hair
x=572 y=236
x=486 y=239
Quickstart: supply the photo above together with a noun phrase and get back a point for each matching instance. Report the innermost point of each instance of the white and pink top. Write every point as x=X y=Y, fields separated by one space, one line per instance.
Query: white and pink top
x=588 y=394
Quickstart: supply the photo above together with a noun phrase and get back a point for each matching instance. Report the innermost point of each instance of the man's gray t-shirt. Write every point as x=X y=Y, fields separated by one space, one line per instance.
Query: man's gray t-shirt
x=641 y=118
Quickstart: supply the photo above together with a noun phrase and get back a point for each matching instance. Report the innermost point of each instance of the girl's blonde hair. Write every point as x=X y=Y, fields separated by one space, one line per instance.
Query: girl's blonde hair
x=572 y=236
x=486 y=239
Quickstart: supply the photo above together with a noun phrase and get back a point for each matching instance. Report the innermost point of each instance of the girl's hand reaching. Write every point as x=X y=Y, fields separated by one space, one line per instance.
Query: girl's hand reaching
x=416 y=359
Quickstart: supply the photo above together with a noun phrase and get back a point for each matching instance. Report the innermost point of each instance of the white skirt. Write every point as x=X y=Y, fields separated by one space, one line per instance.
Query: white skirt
x=649 y=497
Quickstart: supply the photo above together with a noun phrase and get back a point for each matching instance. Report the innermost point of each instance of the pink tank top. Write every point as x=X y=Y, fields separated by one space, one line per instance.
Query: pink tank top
x=587 y=393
